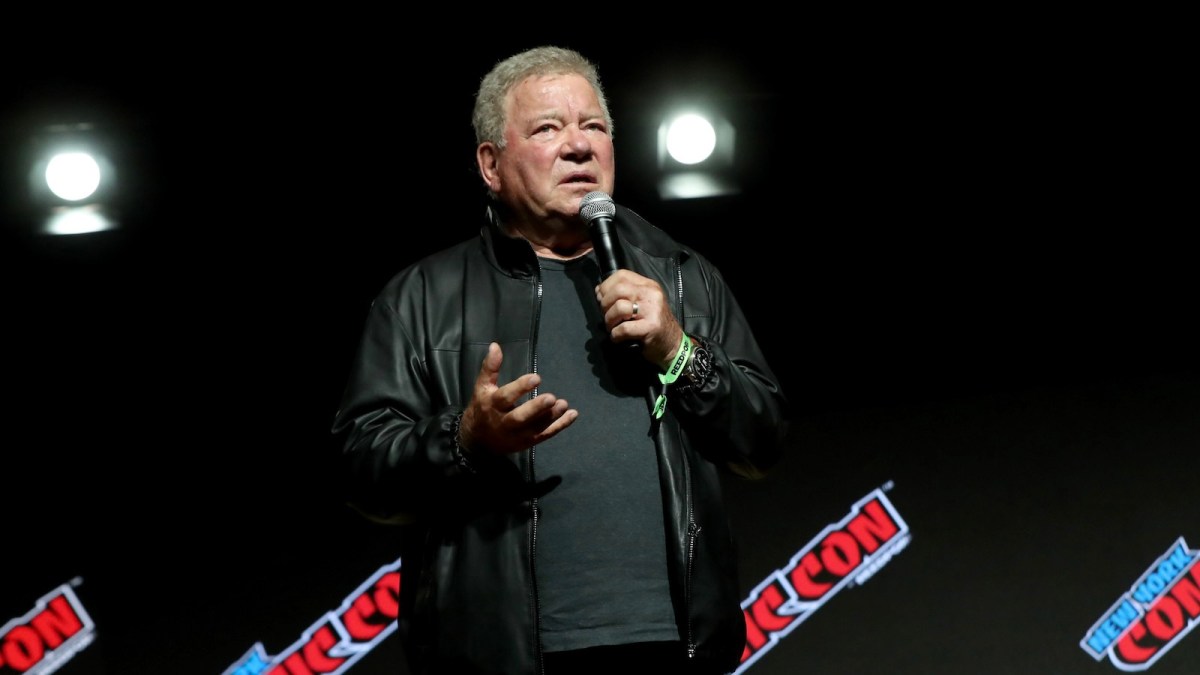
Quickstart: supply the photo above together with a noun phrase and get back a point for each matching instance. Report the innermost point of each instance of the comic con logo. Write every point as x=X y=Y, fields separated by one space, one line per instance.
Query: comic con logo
x=845 y=554
x=47 y=636
x=1160 y=608
x=337 y=640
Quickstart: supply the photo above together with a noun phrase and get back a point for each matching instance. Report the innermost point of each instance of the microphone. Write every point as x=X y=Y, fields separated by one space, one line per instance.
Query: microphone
x=598 y=209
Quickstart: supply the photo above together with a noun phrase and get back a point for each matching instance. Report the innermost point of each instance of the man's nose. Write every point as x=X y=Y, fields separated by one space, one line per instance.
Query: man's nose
x=575 y=143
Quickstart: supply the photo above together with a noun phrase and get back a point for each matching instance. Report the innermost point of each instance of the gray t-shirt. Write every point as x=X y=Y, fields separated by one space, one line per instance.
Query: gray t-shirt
x=601 y=560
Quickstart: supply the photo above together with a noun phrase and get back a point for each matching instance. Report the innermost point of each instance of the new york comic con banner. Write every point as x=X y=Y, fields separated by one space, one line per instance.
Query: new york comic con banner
x=1160 y=608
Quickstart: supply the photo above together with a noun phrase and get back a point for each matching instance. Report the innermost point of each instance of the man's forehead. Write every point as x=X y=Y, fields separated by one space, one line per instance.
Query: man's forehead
x=549 y=88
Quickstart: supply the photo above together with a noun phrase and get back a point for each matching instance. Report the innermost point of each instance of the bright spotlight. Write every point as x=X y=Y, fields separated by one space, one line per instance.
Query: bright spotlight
x=73 y=183
x=73 y=175
x=695 y=156
x=691 y=139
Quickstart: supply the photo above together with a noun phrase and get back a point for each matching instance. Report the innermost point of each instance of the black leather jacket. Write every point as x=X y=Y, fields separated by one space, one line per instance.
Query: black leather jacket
x=468 y=597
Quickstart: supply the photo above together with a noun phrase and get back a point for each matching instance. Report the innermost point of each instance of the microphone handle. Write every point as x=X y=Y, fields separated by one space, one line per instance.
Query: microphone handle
x=608 y=254
x=604 y=240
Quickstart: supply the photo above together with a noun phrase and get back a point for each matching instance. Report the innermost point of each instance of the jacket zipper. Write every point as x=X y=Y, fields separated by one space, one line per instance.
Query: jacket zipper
x=693 y=530
x=534 y=507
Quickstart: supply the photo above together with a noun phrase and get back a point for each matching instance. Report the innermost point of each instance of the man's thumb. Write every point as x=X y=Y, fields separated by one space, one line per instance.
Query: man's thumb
x=491 y=362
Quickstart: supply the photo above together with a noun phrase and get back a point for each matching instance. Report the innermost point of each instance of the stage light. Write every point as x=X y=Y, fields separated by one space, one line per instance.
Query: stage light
x=690 y=139
x=72 y=181
x=73 y=175
x=695 y=156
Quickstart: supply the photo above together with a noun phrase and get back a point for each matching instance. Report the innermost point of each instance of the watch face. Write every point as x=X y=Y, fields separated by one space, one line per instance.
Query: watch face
x=699 y=365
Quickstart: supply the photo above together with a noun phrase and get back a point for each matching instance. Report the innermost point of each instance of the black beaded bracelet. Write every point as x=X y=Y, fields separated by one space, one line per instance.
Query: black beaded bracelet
x=460 y=453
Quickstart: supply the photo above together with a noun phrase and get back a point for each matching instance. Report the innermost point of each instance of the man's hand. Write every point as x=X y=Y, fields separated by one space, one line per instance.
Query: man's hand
x=494 y=422
x=636 y=309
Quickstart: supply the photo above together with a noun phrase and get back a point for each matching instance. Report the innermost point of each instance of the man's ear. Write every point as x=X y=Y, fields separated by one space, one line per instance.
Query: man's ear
x=488 y=159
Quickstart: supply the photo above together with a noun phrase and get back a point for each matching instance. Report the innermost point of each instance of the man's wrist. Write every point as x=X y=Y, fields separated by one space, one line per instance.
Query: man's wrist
x=679 y=359
x=672 y=373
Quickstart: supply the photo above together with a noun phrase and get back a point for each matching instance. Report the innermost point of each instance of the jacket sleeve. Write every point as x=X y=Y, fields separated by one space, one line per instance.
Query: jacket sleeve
x=396 y=426
x=739 y=417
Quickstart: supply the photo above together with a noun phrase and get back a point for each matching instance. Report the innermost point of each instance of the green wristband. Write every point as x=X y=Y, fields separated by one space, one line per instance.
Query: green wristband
x=672 y=374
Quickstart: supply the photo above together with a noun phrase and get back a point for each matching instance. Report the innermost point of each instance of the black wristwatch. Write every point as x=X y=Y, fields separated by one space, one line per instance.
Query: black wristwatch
x=699 y=366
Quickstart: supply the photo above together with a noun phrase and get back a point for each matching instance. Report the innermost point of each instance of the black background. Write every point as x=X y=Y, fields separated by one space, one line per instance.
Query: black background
x=967 y=258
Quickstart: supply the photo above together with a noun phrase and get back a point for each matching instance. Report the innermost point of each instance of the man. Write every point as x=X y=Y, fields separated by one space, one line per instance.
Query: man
x=552 y=439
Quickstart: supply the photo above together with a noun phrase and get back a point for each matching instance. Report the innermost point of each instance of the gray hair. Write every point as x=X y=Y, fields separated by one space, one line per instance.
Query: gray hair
x=489 y=115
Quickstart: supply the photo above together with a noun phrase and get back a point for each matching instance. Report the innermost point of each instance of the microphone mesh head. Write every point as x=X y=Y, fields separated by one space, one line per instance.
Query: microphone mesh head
x=596 y=204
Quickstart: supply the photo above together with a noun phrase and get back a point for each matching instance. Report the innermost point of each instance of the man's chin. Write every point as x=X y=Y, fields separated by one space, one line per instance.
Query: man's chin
x=577 y=191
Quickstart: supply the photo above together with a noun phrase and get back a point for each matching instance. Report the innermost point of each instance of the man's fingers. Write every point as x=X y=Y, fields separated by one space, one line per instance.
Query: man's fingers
x=507 y=398
x=562 y=422
x=539 y=406
x=539 y=413
x=501 y=418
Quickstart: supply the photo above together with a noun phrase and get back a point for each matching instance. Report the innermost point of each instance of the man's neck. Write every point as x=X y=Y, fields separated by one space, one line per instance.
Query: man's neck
x=560 y=240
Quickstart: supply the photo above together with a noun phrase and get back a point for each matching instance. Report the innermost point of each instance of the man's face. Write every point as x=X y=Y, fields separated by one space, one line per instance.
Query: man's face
x=557 y=148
